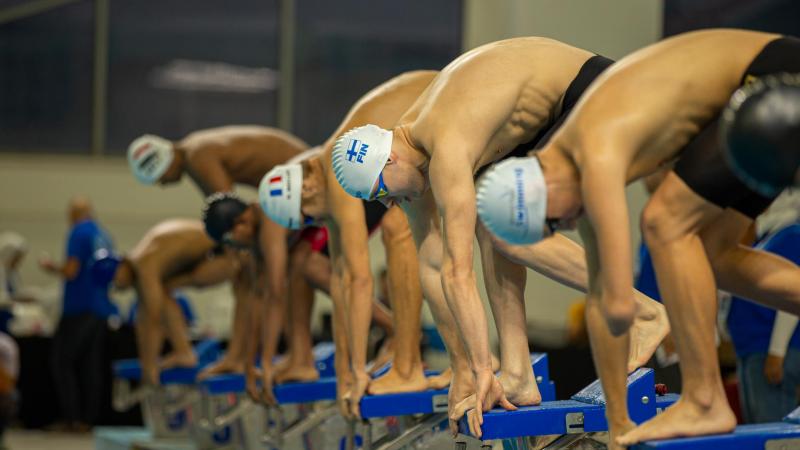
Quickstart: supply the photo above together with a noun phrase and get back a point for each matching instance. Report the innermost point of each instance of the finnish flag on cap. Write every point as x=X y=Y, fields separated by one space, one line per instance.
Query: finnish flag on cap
x=358 y=158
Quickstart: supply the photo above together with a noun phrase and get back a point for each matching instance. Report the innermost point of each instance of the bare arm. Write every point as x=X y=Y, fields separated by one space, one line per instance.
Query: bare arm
x=454 y=192
x=603 y=187
x=357 y=284
x=208 y=172
x=68 y=271
x=209 y=272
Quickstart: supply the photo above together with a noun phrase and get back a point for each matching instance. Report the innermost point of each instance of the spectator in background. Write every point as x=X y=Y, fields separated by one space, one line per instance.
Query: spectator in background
x=768 y=343
x=78 y=341
x=9 y=370
x=12 y=250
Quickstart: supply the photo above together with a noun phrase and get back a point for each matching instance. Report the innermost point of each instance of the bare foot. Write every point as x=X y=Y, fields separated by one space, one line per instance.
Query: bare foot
x=440 y=381
x=297 y=373
x=619 y=315
x=188 y=359
x=151 y=375
x=684 y=418
x=649 y=328
x=495 y=363
x=616 y=431
x=393 y=382
x=384 y=356
x=224 y=366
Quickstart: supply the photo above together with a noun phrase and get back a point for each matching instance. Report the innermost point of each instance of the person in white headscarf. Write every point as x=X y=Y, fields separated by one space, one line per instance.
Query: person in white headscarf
x=12 y=250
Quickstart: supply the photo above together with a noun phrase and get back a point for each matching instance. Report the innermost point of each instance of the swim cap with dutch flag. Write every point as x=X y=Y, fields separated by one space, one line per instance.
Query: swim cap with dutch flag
x=358 y=158
x=149 y=157
x=512 y=200
x=280 y=194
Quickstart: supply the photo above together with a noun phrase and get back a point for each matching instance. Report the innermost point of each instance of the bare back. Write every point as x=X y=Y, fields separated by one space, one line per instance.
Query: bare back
x=171 y=247
x=648 y=106
x=497 y=96
x=245 y=153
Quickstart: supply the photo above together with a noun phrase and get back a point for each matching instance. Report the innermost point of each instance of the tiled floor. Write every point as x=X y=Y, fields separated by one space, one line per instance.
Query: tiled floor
x=46 y=440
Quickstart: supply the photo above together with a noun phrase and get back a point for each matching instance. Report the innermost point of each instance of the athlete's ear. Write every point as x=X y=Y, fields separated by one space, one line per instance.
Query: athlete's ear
x=392 y=158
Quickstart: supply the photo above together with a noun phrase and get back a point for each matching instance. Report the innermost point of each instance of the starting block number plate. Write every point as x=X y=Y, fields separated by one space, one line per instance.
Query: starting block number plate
x=439 y=403
x=574 y=422
x=783 y=444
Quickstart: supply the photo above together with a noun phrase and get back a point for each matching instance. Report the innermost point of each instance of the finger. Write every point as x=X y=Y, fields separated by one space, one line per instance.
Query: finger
x=454 y=428
x=479 y=412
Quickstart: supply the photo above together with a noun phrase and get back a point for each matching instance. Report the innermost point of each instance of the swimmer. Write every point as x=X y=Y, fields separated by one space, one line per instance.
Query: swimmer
x=349 y=222
x=468 y=118
x=173 y=254
x=658 y=105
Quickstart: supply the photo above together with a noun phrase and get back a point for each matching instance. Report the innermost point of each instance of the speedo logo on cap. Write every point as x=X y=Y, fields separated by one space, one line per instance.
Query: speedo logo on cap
x=149 y=162
x=356 y=151
x=520 y=213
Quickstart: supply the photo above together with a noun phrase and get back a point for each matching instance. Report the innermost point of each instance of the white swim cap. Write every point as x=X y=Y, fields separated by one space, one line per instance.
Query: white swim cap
x=359 y=157
x=279 y=195
x=512 y=200
x=149 y=157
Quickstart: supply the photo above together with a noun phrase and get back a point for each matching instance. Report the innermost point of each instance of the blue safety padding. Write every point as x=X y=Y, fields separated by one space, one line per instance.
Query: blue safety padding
x=404 y=404
x=315 y=391
x=793 y=417
x=745 y=437
x=233 y=383
x=544 y=419
x=324 y=354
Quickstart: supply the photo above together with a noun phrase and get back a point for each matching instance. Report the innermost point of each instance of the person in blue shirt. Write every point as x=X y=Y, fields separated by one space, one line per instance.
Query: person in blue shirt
x=767 y=342
x=77 y=352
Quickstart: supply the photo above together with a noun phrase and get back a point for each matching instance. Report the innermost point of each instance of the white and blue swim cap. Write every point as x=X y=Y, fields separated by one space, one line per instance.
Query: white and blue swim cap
x=358 y=158
x=149 y=157
x=280 y=193
x=512 y=200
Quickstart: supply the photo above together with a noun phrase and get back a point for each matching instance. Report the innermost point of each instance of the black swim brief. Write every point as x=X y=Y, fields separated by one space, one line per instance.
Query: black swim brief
x=702 y=165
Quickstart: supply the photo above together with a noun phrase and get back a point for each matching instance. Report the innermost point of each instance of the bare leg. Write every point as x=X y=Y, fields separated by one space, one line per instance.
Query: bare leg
x=234 y=359
x=182 y=354
x=671 y=223
x=424 y=226
x=299 y=365
x=149 y=332
x=562 y=260
x=405 y=295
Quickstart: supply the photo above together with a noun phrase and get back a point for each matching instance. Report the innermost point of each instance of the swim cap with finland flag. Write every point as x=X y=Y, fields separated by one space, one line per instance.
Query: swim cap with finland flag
x=280 y=193
x=149 y=157
x=359 y=157
x=512 y=200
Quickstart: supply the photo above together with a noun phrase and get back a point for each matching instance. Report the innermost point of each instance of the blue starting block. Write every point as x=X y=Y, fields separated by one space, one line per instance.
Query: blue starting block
x=228 y=417
x=778 y=436
x=403 y=429
x=165 y=408
x=583 y=413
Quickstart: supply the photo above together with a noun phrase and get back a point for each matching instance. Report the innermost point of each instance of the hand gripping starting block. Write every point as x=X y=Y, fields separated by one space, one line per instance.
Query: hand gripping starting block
x=165 y=408
x=764 y=436
x=407 y=417
x=567 y=421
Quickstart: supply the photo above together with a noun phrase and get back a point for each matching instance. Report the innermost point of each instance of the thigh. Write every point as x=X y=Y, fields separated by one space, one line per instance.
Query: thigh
x=675 y=210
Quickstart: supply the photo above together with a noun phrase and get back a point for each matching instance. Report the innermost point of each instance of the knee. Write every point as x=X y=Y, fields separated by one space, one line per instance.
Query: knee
x=658 y=222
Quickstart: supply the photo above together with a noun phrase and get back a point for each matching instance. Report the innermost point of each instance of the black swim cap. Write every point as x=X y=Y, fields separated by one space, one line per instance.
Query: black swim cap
x=220 y=213
x=761 y=133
